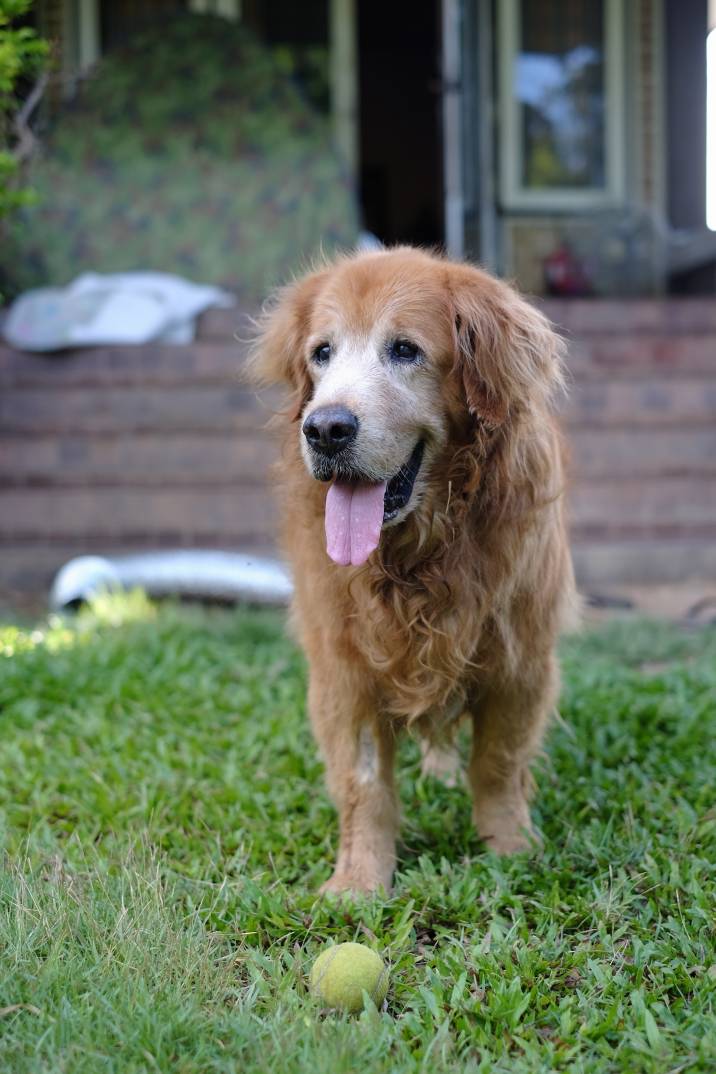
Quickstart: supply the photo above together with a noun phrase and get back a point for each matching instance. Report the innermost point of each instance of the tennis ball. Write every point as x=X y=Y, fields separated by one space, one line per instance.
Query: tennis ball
x=344 y=971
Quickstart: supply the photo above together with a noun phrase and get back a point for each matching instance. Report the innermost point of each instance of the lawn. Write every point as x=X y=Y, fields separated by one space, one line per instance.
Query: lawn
x=165 y=829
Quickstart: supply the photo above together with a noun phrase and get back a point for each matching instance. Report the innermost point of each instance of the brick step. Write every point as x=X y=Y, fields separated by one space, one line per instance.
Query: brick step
x=185 y=409
x=214 y=363
x=625 y=453
x=655 y=402
x=581 y=315
x=198 y=514
x=27 y=568
x=666 y=506
x=225 y=324
x=643 y=356
x=139 y=458
x=195 y=363
x=665 y=316
x=601 y=565
x=632 y=507
x=221 y=458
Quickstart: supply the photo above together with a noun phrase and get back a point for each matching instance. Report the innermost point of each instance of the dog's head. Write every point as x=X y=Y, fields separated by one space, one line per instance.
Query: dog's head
x=392 y=358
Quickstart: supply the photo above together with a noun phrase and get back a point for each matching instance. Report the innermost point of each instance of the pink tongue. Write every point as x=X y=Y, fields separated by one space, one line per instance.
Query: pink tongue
x=354 y=516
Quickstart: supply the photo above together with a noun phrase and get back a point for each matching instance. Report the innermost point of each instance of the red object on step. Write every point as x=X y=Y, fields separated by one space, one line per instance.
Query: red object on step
x=564 y=274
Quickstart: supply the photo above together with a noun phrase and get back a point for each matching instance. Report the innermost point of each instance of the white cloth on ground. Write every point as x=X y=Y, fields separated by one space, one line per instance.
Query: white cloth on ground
x=120 y=308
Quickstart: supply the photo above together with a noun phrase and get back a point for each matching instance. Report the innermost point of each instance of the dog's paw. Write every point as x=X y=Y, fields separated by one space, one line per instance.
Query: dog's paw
x=350 y=882
x=508 y=832
x=506 y=843
x=442 y=763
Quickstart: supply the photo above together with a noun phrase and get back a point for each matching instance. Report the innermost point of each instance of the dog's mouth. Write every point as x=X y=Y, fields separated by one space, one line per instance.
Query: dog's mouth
x=400 y=487
x=356 y=510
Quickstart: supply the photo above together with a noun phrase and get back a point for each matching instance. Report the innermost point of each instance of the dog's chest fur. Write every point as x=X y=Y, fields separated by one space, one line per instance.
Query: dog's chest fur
x=417 y=642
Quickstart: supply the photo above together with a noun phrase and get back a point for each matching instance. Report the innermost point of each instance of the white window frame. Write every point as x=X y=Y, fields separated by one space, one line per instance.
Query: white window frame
x=514 y=195
x=88 y=46
x=228 y=9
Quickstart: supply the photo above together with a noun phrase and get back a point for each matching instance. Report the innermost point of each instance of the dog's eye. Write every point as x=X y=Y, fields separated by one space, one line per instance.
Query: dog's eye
x=322 y=353
x=402 y=350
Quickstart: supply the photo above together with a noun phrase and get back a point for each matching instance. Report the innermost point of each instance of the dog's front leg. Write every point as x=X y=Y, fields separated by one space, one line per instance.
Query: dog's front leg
x=358 y=749
x=508 y=723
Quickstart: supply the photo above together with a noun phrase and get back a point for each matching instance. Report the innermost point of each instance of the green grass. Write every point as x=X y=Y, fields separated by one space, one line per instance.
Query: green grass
x=165 y=827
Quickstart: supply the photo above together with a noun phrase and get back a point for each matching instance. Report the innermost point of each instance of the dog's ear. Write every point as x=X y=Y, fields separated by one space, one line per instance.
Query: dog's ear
x=277 y=353
x=507 y=356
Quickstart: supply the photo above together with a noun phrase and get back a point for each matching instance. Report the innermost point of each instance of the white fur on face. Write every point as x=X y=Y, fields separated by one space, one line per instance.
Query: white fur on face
x=397 y=404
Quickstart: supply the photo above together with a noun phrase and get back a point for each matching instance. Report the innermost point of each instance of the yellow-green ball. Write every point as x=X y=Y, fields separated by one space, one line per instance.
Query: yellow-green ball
x=344 y=971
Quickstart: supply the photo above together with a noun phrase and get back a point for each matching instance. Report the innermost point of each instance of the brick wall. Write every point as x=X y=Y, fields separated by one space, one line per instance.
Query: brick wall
x=117 y=449
x=641 y=430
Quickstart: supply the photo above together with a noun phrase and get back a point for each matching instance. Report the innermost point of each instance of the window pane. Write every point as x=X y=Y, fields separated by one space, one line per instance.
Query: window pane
x=560 y=93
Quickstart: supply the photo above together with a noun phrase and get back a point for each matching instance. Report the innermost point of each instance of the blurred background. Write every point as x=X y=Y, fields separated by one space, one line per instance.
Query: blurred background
x=569 y=145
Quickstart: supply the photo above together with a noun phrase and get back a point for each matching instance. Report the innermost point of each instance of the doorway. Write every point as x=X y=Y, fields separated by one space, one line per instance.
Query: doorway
x=400 y=120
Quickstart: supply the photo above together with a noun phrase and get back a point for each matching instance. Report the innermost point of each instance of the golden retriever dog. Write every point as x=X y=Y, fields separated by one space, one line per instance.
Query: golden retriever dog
x=423 y=518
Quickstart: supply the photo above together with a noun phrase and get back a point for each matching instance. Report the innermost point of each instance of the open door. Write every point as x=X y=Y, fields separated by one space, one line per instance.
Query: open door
x=401 y=162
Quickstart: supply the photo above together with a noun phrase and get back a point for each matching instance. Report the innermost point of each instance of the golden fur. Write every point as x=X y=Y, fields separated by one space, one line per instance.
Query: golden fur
x=458 y=609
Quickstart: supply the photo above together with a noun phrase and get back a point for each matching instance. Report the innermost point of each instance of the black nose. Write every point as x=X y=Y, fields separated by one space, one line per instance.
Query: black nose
x=329 y=429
